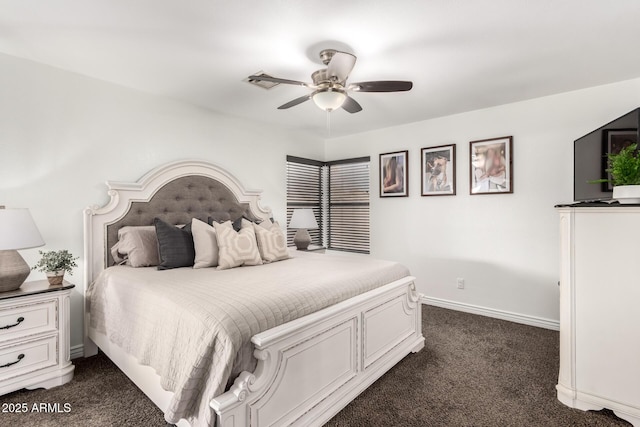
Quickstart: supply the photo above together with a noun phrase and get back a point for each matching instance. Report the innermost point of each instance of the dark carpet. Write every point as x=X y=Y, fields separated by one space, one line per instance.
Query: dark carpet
x=473 y=371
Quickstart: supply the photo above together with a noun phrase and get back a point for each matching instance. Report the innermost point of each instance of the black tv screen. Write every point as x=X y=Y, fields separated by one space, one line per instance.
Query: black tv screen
x=590 y=155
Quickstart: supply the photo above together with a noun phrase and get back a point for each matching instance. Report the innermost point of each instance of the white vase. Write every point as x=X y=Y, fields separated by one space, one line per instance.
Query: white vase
x=55 y=277
x=627 y=194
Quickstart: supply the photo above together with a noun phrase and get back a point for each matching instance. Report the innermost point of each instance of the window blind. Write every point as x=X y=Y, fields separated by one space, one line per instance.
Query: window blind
x=304 y=190
x=348 y=215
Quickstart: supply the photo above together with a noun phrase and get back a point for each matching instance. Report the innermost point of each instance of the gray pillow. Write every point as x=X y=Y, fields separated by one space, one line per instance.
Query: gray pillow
x=222 y=217
x=175 y=245
x=218 y=217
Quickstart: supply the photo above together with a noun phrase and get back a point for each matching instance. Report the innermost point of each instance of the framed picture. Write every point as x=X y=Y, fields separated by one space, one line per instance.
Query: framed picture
x=438 y=170
x=394 y=173
x=491 y=166
x=613 y=141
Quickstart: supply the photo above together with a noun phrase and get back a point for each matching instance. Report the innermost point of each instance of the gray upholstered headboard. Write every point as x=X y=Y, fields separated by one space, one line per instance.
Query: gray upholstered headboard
x=177 y=202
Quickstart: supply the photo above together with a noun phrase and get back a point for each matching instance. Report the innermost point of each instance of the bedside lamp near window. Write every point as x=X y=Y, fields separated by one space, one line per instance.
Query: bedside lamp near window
x=17 y=231
x=302 y=219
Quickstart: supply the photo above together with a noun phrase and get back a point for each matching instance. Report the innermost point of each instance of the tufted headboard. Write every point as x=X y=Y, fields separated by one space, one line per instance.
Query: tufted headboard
x=180 y=200
x=175 y=192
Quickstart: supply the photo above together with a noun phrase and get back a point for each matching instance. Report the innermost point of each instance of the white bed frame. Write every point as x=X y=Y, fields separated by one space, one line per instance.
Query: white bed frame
x=308 y=369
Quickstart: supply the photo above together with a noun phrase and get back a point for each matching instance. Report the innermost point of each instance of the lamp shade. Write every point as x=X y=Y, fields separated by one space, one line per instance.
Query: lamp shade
x=17 y=230
x=303 y=218
x=329 y=100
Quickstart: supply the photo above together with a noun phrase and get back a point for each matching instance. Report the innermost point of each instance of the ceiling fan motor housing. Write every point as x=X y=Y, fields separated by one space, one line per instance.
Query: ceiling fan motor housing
x=326 y=55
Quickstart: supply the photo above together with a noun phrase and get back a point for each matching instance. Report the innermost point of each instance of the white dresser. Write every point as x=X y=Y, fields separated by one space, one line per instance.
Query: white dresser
x=600 y=309
x=34 y=337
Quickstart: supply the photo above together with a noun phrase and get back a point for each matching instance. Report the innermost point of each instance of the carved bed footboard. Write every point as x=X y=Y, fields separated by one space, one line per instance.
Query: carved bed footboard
x=311 y=368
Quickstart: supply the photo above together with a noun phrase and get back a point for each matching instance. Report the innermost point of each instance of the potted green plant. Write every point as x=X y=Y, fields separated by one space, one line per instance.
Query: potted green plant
x=624 y=168
x=54 y=264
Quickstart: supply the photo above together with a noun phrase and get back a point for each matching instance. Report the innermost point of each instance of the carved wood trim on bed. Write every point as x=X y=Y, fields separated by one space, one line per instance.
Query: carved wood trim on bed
x=312 y=367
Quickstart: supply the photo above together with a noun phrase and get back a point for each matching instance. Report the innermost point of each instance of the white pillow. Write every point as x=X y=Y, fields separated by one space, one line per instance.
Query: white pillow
x=137 y=246
x=205 y=244
x=271 y=241
x=236 y=248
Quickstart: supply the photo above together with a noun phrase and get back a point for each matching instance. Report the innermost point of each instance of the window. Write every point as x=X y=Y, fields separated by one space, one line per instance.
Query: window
x=338 y=193
x=304 y=190
x=349 y=205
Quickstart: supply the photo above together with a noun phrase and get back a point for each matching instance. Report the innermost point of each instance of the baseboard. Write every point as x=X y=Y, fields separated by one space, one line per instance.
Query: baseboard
x=77 y=351
x=525 y=319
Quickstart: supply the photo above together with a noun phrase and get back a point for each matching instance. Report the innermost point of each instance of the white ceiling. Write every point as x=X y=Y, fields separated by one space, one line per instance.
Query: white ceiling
x=461 y=55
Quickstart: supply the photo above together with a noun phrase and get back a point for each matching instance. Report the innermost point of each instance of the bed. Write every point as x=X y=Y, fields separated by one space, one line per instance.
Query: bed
x=303 y=365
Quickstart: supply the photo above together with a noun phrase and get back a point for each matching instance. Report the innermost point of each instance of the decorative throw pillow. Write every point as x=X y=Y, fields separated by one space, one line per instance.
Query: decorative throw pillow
x=205 y=244
x=271 y=241
x=236 y=248
x=175 y=245
x=136 y=246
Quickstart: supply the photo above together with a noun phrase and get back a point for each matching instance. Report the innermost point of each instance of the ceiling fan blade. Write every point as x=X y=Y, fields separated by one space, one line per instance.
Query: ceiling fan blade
x=276 y=80
x=340 y=66
x=381 y=86
x=295 y=102
x=351 y=105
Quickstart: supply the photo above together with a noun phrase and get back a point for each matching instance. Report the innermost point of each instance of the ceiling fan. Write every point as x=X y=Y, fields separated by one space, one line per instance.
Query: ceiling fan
x=330 y=88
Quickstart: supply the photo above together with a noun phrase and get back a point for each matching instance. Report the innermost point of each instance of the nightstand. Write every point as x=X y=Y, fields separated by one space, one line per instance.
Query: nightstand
x=34 y=337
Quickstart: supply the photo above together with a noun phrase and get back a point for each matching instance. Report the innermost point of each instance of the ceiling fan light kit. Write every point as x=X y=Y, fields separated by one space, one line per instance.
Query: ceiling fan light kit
x=329 y=99
x=330 y=89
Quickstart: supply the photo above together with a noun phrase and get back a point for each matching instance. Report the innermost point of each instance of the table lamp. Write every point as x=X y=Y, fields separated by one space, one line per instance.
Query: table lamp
x=17 y=231
x=302 y=219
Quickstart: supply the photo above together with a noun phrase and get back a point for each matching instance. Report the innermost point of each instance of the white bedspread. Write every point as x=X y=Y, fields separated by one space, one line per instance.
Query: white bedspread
x=190 y=324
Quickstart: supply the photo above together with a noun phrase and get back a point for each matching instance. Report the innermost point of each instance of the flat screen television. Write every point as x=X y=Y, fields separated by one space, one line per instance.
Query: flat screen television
x=590 y=156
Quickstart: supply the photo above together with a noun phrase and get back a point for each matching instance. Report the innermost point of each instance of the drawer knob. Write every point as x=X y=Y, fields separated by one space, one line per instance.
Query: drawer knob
x=20 y=357
x=19 y=320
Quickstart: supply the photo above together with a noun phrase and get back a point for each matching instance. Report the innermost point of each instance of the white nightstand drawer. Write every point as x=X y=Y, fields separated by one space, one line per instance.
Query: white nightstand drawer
x=28 y=357
x=29 y=319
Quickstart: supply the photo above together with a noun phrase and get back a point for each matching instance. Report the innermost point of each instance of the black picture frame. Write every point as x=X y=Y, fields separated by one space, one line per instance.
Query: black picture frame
x=394 y=174
x=491 y=166
x=438 y=170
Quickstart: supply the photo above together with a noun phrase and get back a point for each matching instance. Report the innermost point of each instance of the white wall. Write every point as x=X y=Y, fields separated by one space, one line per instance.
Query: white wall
x=63 y=135
x=504 y=246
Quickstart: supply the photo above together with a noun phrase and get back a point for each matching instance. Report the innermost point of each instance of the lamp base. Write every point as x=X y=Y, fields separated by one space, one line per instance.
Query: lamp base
x=302 y=239
x=13 y=271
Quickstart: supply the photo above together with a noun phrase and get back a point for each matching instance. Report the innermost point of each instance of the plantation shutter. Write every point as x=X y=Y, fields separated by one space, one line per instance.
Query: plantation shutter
x=348 y=215
x=304 y=190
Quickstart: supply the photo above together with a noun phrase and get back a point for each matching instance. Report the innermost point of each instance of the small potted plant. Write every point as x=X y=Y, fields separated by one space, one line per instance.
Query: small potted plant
x=54 y=264
x=624 y=167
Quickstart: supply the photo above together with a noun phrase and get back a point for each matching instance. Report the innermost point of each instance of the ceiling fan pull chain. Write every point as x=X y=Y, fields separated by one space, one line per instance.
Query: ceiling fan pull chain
x=328 y=123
